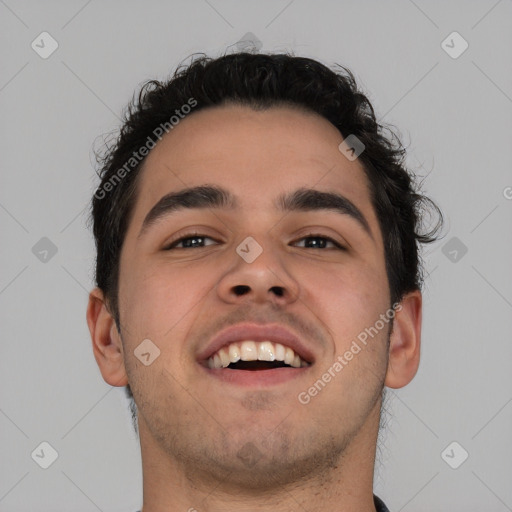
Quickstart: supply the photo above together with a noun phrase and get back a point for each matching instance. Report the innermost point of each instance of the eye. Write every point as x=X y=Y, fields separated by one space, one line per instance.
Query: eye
x=189 y=242
x=322 y=245
x=198 y=240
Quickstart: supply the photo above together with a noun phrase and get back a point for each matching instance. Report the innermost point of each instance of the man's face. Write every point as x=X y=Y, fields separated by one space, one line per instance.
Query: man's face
x=182 y=298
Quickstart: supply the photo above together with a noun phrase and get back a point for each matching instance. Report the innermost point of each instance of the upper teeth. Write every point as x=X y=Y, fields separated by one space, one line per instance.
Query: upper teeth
x=255 y=351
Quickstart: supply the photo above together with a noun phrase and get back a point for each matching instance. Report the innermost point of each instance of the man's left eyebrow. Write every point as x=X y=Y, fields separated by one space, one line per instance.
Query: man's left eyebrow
x=205 y=196
x=307 y=199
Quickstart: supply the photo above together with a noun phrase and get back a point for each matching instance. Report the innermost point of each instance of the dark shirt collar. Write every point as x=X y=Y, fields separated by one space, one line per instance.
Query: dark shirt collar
x=379 y=504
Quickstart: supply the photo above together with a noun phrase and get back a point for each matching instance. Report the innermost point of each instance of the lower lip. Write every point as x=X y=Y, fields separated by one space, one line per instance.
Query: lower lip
x=256 y=377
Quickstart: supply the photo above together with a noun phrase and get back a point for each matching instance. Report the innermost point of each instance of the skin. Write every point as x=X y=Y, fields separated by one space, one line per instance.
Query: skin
x=194 y=429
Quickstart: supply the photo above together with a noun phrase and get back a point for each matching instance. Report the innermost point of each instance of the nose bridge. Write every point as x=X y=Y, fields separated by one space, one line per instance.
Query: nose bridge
x=258 y=272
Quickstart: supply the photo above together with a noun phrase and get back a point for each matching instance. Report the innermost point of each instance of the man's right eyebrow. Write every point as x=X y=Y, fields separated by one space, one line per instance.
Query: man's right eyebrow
x=205 y=196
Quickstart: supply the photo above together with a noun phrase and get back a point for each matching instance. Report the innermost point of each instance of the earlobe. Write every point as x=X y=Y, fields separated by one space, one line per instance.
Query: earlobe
x=106 y=342
x=405 y=341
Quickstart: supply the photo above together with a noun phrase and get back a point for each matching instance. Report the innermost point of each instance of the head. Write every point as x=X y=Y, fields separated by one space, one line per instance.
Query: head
x=253 y=128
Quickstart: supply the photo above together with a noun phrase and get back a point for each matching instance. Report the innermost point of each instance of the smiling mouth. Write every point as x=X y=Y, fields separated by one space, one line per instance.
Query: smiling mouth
x=254 y=356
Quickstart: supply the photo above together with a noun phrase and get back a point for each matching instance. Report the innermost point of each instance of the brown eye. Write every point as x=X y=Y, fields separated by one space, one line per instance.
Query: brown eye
x=189 y=242
x=320 y=242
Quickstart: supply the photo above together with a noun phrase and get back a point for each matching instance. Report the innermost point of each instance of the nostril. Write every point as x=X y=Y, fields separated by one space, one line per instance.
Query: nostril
x=241 y=289
x=278 y=291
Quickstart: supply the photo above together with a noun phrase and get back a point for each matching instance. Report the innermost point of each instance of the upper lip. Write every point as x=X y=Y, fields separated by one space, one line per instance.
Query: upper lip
x=254 y=332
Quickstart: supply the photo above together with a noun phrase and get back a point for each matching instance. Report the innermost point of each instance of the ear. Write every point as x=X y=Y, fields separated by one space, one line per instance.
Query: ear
x=405 y=340
x=106 y=341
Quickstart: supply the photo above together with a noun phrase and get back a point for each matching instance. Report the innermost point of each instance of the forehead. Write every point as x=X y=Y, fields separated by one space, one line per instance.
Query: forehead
x=254 y=154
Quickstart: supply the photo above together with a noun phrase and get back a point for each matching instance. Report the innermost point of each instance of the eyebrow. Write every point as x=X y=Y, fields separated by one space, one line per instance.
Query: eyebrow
x=308 y=199
x=206 y=196
x=212 y=196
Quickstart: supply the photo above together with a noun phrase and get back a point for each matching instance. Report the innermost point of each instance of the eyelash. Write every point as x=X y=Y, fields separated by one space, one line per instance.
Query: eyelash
x=171 y=245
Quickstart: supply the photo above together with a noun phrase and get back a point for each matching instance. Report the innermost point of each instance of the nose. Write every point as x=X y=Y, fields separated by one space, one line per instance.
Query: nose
x=266 y=279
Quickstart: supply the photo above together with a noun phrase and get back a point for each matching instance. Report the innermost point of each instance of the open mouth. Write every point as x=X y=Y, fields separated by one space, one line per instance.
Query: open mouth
x=255 y=356
x=257 y=365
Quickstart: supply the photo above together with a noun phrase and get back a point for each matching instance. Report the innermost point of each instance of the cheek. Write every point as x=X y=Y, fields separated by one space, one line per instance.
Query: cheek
x=346 y=299
x=350 y=304
x=155 y=298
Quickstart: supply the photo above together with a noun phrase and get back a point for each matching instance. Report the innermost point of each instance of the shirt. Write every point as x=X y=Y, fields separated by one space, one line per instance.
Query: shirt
x=379 y=504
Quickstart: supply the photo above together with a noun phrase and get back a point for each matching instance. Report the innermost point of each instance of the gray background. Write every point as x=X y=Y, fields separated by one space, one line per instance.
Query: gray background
x=455 y=115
